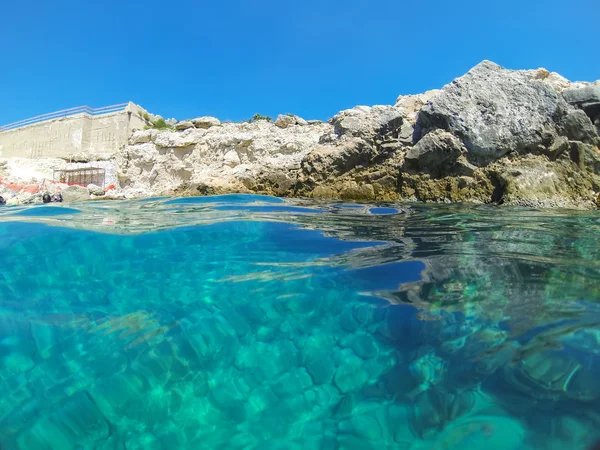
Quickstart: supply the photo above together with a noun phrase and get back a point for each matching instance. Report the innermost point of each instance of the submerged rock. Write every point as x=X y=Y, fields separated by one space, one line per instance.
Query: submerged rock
x=556 y=375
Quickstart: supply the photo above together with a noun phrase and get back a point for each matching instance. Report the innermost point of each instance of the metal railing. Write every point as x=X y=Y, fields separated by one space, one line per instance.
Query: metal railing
x=65 y=113
x=82 y=176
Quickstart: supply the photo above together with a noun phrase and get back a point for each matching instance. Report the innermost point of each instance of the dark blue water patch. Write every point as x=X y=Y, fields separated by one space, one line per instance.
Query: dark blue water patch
x=383 y=211
x=389 y=276
x=270 y=209
x=47 y=211
x=229 y=198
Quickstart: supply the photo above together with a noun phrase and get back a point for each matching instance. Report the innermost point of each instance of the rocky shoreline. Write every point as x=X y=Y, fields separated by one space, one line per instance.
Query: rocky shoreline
x=513 y=137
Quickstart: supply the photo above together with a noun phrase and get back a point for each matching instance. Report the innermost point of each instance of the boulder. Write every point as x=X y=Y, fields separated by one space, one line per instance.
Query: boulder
x=586 y=98
x=75 y=194
x=140 y=137
x=206 y=122
x=583 y=95
x=287 y=120
x=436 y=153
x=184 y=125
x=95 y=190
x=411 y=104
x=578 y=127
x=495 y=111
x=368 y=122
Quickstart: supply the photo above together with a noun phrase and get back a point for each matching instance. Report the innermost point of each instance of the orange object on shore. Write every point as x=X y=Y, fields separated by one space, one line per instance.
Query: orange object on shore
x=32 y=188
x=108 y=188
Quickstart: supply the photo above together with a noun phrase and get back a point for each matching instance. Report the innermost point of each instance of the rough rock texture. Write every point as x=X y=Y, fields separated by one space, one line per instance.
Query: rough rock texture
x=524 y=137
x=588 y=99
x=75 y=194
x=184 y=125
x=206 y=122
x=287 y=120
x=234 y=157
x=95 y=190
x=437 y=153
x=495 y=111
x=412 y=104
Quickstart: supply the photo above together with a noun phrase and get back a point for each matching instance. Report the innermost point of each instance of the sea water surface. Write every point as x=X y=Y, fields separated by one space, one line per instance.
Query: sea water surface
x=250 y=322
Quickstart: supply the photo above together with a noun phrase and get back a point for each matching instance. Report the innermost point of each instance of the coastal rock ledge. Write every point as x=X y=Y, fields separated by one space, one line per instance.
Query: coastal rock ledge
x=516 y=137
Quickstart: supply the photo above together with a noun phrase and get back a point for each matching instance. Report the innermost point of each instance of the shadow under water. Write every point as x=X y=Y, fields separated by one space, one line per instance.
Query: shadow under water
x=246 y=322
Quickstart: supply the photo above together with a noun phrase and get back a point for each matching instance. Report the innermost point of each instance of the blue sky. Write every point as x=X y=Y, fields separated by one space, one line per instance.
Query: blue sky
x=232 y=59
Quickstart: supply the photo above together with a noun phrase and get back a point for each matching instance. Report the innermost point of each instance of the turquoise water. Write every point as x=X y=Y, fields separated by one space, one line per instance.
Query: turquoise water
x=249 y=322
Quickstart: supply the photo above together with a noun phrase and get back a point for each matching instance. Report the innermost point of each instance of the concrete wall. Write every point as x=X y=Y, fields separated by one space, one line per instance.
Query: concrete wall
x=75 y=136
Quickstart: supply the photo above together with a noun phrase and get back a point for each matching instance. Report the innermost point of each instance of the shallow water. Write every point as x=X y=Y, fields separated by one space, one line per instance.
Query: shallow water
x=249 y=322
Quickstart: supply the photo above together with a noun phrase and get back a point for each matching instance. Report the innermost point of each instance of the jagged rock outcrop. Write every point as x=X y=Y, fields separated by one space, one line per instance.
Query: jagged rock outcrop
x=495 y=111
x=588 y=99
x=523 y=137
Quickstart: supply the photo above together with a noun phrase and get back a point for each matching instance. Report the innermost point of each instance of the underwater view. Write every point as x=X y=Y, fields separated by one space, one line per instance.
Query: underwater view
x=251 y=322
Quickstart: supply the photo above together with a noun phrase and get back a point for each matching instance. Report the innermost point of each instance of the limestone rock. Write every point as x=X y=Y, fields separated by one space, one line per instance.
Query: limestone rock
x=557 y=81
x=536 y=182
x=140 y=137
x=368 y=122
x=180 y=140
x=493 y=135
x=577 y=126
x=583 y=95
x=411 y=104
x=95 y=190
x=75 y=194
x=206 y=122
x=287 y=120
x=587 y=98
x=233 y=157
x=495 y=111
x=184 y=125
x=436 y=153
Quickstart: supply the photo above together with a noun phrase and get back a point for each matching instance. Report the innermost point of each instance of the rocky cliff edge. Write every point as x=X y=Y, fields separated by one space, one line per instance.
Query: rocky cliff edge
x=518 y=137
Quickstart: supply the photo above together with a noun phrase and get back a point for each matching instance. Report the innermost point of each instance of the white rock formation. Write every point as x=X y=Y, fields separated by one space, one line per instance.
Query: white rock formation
x=206 y=122
x=227 y=157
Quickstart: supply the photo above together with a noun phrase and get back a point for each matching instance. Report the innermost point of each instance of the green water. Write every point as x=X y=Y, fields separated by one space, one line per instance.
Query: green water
x=248 y=322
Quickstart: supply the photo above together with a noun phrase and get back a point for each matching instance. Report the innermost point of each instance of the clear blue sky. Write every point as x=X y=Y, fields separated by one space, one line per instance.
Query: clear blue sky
x=231 y=59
